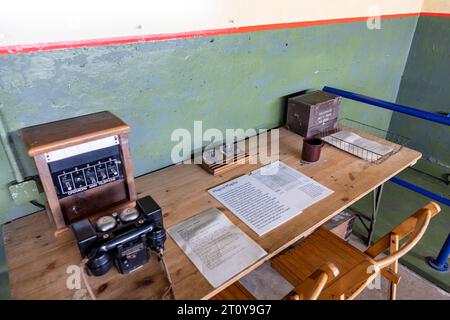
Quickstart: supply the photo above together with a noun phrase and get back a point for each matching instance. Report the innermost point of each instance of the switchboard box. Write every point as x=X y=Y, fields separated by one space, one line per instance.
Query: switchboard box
x=84 y=165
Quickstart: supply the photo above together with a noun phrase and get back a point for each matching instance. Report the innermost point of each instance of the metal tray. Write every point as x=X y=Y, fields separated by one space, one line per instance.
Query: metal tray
x=385 y=138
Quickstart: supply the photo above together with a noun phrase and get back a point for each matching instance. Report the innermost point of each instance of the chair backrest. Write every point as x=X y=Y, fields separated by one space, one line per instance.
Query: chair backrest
x=414 y=228
x=351 y=284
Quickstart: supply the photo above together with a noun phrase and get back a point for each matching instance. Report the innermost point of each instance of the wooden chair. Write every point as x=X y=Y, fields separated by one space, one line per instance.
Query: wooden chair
x=305 y=265
x=311 y=288
x=358 y=269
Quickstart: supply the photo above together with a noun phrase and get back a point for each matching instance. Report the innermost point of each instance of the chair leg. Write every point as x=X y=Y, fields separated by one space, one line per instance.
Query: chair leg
x=392 y=290
x=394 y=246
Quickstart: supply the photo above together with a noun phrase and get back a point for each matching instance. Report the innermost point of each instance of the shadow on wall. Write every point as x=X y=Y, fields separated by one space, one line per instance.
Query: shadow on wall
x=425 y=85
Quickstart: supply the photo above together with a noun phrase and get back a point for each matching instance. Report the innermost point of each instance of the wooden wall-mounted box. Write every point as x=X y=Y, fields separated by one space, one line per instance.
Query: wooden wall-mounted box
x=312 y=113
x=84 y=164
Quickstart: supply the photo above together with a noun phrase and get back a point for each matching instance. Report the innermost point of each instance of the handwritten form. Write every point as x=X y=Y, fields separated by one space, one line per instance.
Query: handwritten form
x=269 y=196
x=218 y=248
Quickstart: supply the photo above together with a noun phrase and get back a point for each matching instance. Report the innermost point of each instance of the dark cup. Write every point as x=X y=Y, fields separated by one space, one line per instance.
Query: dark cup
x=311 y=149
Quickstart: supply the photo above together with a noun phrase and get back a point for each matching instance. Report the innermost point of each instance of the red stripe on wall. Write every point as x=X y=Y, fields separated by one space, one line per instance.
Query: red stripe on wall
x=17 y=49
x=435 y=14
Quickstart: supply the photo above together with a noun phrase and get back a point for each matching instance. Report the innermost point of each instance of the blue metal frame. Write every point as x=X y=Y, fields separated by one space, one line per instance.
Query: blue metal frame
x=391 y=106
x=440 y=263
x=403 y=109
x=420 y=190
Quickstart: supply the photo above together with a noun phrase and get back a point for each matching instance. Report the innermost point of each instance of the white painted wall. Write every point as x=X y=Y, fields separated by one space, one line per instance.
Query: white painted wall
x=24 y=22
x=438 y=6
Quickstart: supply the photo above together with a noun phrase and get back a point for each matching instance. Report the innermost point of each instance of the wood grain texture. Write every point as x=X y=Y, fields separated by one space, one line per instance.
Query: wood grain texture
x=53 y=206
x=220 y=168
x=37 y=262
x=321 y=247
x=84 y=204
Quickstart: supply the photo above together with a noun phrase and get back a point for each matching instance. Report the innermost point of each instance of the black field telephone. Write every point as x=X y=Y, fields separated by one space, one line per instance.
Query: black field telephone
x=123 y=238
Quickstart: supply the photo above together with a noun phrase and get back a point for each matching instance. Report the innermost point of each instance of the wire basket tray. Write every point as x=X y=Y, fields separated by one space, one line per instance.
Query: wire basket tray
x=384 y=142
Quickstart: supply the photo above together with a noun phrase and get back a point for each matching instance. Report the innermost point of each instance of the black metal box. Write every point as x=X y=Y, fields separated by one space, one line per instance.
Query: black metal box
x=312 y=113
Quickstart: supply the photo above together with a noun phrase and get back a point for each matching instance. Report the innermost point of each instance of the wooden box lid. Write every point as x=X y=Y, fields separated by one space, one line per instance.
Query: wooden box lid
x=48 y=137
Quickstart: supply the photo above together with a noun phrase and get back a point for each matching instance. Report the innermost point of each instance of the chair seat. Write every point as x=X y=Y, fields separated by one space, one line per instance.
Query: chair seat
x=300 y=261
x=322 y=246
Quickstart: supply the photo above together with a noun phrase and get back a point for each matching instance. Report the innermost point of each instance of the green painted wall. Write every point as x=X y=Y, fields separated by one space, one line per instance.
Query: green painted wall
x=426 y=85
x=228 y=81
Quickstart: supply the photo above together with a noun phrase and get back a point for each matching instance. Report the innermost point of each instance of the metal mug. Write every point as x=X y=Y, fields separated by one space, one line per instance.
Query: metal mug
x=311 y=149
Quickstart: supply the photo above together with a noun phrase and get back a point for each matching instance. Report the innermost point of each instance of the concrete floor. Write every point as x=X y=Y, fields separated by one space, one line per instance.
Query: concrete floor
x=4 y=286
x=265 y=283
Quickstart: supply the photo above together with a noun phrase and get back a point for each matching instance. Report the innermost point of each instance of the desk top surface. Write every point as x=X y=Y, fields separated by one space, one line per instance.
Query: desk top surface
x=39 y=264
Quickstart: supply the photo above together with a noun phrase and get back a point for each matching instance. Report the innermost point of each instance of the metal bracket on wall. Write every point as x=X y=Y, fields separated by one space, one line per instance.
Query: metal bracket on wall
x=22 y=190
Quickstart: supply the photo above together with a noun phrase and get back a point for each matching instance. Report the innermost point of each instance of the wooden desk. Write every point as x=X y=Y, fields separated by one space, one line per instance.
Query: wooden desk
x=38 y=262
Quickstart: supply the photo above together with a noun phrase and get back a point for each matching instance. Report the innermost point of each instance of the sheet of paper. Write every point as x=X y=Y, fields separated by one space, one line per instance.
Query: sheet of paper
x=269 y=196
x=216 y=246
x=378 y=150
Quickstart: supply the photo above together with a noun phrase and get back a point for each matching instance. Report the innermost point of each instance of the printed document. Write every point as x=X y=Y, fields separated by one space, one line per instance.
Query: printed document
x=376 y=150
x=218 y=248
x=269 y=196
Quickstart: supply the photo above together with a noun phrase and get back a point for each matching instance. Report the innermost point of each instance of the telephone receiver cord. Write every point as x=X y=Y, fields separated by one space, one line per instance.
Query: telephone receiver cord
x=166 y=271
x=85 y=279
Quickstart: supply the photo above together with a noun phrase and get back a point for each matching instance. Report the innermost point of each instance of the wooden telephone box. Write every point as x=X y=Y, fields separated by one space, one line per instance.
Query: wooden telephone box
x=84 y=165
